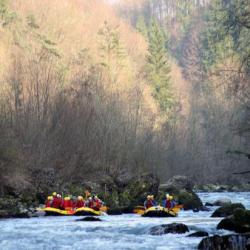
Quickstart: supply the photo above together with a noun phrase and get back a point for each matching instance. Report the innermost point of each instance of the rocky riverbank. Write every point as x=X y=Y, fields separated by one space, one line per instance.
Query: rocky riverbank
x=190 y=228
x=121 y=194
x=243 y=187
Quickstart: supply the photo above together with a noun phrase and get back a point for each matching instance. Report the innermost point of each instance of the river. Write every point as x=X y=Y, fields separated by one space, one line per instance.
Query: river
x=126 y=231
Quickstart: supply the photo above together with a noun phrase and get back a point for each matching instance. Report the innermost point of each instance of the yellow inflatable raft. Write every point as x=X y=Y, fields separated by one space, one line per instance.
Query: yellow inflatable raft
x=50 y=211
x=86 y=211
x=159 y=211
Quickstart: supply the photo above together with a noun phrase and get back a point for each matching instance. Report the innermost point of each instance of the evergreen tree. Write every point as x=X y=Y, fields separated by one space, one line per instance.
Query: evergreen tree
x=6 y=16
x=110 y=46
x=141 y=26
x=111 y=51
x=158 y=68
x=228 y=24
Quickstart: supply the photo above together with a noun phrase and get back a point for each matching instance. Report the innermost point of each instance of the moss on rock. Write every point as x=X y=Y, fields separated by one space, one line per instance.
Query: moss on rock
x=227 y=210
x=238 y=222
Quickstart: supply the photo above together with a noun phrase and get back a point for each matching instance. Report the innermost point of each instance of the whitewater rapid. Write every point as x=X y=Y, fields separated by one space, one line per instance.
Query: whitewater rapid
x=125 y=232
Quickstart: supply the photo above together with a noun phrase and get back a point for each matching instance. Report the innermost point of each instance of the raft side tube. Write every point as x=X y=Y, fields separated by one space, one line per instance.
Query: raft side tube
x=50 y=211
x=86 y=211
x=159 y=212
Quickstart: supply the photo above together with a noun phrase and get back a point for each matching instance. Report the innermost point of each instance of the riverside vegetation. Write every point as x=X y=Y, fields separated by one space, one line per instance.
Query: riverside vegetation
x=118 y=99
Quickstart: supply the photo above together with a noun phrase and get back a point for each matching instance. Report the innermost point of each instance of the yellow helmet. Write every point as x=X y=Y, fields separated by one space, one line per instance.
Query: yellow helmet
x=54 y=194
x=50 y=198
x=80 y=198
x=67 y=198
x=171 y=197
x=152 y=196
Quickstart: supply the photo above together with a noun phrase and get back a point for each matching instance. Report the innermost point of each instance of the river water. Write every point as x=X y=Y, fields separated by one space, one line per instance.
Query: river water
x=112 y=233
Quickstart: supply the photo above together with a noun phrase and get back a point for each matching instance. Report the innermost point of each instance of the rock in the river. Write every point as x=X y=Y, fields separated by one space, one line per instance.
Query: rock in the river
x=138 y=188
x=208 y=204
x=174 y=228
x=228 y=242
x=189 y=200
x=222 y=202
x=198 y=234
x=238 y=222
x=227 y=210
x=126 y=195
x=114 y=211
x=205 y=209
x=90 y=218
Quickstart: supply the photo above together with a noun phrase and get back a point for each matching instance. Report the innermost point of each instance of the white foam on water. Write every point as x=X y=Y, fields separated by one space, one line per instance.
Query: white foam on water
x=123 y=232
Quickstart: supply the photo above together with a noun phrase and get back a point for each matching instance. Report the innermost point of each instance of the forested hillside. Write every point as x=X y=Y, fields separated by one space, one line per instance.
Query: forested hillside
x=90 y=90
x=74 y=103
x=210 y=42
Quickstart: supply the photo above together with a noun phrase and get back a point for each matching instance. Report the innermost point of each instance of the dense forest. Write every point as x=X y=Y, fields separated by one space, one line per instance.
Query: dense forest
x=90 y=89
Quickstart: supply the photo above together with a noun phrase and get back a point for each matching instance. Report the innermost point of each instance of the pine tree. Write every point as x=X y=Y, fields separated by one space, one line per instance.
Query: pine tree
x=111 y=51
x=141 y=26
x=6 y=16
x=158 y=68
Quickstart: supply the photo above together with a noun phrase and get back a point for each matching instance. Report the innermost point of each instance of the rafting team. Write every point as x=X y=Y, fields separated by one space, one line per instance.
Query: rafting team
x=92 y=201
x=68 y=203
x=168 y=202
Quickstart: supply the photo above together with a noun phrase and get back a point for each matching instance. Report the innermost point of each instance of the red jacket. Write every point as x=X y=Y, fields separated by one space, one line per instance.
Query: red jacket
x=48 y=203
x=168 y=204
x=149 y=203
x=95 y=204
x=56 y=203
x=79 y=204
x=67 y=204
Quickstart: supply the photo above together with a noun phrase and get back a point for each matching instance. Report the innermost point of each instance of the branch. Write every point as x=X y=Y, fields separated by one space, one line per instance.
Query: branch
x=244 y=172
x=239 y=153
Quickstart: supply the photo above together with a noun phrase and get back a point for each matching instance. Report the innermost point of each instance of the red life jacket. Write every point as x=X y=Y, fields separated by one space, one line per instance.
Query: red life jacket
x=91 y=204
x=79 y=204
x=97 y=204
x=67 y=204
x=168 y=204
x=149 y=204
x=56 y=203
x=48 y=203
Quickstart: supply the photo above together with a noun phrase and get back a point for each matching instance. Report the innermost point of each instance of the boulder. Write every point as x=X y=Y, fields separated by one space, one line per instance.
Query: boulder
x=198 y=234
x=208 y=204
x=205 y=209
x=90 y=218
x=131 y=193
x=114 y=211
x=222 y=202
x=189 y=200
x=139 y=188
x=229 y=242
x=227 y=210
x=238 y=222
x=174 y=228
